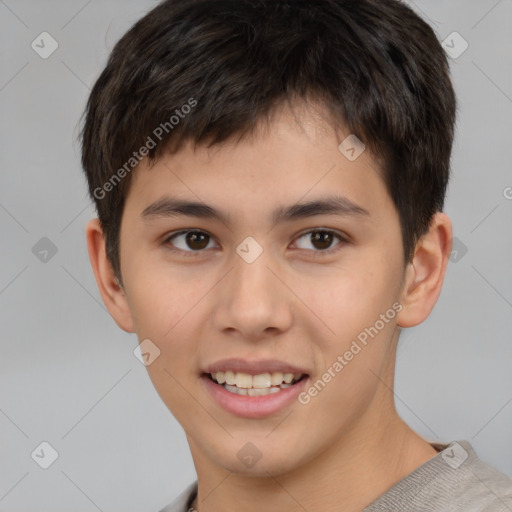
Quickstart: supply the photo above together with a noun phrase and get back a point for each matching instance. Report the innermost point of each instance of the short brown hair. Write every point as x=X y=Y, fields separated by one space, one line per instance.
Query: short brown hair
x=374 y=64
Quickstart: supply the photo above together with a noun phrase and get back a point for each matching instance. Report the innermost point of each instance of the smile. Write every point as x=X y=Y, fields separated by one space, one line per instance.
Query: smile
x=255 y=385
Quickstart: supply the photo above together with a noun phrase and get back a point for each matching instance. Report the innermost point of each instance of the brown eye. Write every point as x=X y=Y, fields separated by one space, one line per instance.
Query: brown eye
x=189 y=241
x=320 y=240
x=197 y=240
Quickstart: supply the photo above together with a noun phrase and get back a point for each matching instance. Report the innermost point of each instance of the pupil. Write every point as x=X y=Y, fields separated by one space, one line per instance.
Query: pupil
x=201 y=239
x=198 y=240
x=323 y=238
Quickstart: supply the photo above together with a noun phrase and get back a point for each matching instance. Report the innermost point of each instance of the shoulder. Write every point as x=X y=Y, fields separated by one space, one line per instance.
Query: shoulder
x=454 y=480
x=183 y=501
x=491 y=490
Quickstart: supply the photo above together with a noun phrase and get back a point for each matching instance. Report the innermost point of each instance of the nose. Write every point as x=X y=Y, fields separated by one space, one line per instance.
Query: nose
x=253 y=300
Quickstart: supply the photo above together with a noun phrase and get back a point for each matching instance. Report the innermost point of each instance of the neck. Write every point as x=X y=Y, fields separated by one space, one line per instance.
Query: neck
x=361 y=466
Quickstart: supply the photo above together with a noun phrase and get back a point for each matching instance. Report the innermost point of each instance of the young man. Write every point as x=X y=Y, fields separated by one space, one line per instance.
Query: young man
x=269 y=178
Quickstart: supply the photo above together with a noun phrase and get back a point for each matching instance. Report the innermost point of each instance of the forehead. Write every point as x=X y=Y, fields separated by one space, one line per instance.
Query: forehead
x=296 y=157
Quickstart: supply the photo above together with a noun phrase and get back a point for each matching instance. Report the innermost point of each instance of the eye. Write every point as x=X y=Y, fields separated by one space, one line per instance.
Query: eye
x=189 y=241
x=321 y=239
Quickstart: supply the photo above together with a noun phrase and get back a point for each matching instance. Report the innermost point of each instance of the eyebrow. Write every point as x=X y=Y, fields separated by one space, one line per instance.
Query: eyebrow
x=332 y=205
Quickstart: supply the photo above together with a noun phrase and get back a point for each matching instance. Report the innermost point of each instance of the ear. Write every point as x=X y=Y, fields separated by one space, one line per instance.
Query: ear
x=424 y=275
x=111 y=291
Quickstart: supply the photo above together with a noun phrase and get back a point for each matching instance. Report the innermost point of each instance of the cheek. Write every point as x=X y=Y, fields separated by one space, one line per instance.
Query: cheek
x=173 y=385
x=347 y=300
x=355 y=341
x=169 y=315
x=161 y=299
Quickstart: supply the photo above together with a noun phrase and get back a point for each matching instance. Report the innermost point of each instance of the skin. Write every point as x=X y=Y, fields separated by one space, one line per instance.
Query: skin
x=347 y=445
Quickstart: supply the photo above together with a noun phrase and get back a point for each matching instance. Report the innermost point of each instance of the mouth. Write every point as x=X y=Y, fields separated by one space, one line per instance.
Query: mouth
x=263 y=384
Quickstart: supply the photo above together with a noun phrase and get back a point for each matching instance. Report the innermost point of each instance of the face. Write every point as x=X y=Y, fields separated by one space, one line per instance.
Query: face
x=255 y=278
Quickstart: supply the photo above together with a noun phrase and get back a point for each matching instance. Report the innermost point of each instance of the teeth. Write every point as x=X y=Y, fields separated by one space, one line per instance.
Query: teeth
x=230 y=378
x=276 y=378
x=262 y=392
x=220 y=377
x=243 y=380
x=262 y=381
x=252 y=391
x=235 y=390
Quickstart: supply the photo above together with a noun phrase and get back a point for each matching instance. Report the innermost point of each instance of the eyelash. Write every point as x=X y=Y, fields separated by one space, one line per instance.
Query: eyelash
x=316 y=253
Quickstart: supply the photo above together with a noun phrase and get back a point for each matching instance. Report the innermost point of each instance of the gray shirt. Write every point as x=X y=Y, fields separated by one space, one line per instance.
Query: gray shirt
x=455 y=480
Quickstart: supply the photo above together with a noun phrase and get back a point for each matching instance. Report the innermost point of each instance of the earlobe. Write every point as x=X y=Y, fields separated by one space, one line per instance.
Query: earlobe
x=425 y=273
x=111 y=291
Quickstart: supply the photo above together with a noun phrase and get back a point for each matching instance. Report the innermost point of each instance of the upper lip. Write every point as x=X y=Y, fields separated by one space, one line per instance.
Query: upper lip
x=254 y=367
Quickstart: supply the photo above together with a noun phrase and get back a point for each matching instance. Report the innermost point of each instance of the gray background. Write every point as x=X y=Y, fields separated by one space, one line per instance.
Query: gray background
x=68 y=375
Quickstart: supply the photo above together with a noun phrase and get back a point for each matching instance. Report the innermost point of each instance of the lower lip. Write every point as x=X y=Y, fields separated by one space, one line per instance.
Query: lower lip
x=253 y=406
